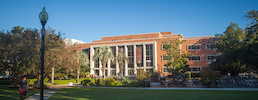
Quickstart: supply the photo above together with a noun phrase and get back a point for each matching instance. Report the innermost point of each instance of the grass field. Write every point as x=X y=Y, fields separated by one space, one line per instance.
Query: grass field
x=14 y=94
x=136 y=94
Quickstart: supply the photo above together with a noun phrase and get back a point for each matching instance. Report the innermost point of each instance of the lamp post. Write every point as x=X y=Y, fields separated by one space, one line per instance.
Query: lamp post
x=214 y=60
x=43 y=16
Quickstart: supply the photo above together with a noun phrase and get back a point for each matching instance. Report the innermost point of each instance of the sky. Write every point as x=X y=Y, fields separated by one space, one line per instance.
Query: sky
x=89 y=20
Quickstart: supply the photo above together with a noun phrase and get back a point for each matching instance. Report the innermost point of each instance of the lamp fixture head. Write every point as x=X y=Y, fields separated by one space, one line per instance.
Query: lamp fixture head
x=43 y=16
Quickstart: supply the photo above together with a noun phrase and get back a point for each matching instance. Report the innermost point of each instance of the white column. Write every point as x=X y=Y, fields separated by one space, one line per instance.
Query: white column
x=144 y=57
x=155 y=57
x=91 y=60
x=100 y=68
x=134 y=59
x=126 y=63
x=117 y=65
x=108 y=66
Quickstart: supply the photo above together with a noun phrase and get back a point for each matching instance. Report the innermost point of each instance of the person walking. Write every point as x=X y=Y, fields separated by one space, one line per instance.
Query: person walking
x=23 y=87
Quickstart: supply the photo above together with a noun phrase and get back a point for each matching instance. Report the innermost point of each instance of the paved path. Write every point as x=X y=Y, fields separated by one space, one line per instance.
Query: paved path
x=49 y=92
x=53 y=89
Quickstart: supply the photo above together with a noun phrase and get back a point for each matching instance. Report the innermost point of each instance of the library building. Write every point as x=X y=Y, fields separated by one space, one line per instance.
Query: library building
x=145 y=52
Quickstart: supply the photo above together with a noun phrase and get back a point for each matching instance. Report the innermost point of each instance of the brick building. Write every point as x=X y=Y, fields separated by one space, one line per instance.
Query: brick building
x=145 y=51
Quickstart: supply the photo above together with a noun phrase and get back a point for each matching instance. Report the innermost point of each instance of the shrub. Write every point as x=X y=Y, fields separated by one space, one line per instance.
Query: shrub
x=59 y=82
x=127 y=81
x=5 y=82
x=155 y=76
x=88 y=82
x=99 y=82
x=141 y=75
x=110 y=81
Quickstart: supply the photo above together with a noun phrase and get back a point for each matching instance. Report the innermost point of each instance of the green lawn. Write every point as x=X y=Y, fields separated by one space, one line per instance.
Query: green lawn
x=136 y=94
x=14 y=94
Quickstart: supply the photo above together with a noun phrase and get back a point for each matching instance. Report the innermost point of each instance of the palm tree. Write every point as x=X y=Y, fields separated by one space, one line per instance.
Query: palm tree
x=83 y=59
x=103 y=54
x=121 y=58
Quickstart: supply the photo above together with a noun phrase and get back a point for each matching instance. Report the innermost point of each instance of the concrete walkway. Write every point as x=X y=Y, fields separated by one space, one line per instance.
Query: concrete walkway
x=49 y=92
x=53 y=89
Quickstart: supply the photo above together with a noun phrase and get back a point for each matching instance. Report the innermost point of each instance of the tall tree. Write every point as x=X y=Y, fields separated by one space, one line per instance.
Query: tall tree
x=250 y=44
x=121 y=58
x=83 y=59
x=177 y=59
x=103 y=54
x=228 y=48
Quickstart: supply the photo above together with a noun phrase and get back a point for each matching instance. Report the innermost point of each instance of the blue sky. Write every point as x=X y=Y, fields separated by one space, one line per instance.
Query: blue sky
x=89 y=20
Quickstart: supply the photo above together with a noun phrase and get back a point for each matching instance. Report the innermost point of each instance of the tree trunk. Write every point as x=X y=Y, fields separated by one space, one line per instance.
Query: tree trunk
x=174 y=79
x=38 y=84
x=122 y=71
x=78 y=75
x=103 y=72
x=14 y=79
x=53 y=73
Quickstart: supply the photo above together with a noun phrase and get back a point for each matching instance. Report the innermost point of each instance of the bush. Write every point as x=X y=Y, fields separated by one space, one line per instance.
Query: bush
x=32 y=81
x=155 y=76
x=110 y=81
x=59 y=82
x=127 y=81
x=5 y=82
x=141 y=75
x=88 y=82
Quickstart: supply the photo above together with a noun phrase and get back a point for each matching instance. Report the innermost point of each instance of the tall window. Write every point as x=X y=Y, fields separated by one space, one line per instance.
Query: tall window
x=194 y=47
x=211 y=57
x=194 y=58
x=210 y=46
x=113 y=50
x=149 y=55
x=130 y=56
x=96 y=63
x=139 y=55
x=87 y=51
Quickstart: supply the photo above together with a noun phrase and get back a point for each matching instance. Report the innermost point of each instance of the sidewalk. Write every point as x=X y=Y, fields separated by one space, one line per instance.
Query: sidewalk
x=49 y=92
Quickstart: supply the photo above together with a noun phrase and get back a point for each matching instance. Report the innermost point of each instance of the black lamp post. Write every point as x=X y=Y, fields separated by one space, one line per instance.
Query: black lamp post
x=214 y=60
x=43 y=16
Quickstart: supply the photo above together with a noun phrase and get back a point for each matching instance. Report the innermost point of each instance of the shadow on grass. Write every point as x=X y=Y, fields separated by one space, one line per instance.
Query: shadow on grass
x=14 y=94
x=136 y=94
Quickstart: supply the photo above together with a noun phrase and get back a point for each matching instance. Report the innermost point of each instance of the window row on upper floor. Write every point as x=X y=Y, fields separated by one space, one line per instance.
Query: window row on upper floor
x=193 y=58
x=195 y=47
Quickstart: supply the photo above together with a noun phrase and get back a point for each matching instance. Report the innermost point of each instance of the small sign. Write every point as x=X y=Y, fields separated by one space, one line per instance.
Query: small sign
x=148 y=60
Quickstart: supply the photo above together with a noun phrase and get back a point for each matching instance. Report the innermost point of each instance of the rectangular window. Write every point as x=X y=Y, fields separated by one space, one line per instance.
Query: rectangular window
x=113 y=72
x=194 y=47
x=130 y=72
x=145 y=38
x=210 y=46
x=149 y=55
x=139 y=55
x=194 y=58
x=87 y=51
x=113 y=49
x=113 y=40
x=164 y=70
x=165 y=58
x=162 y=46
x=194 y=69
x=211 y=57
x=130 y=55
x=127 y=39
